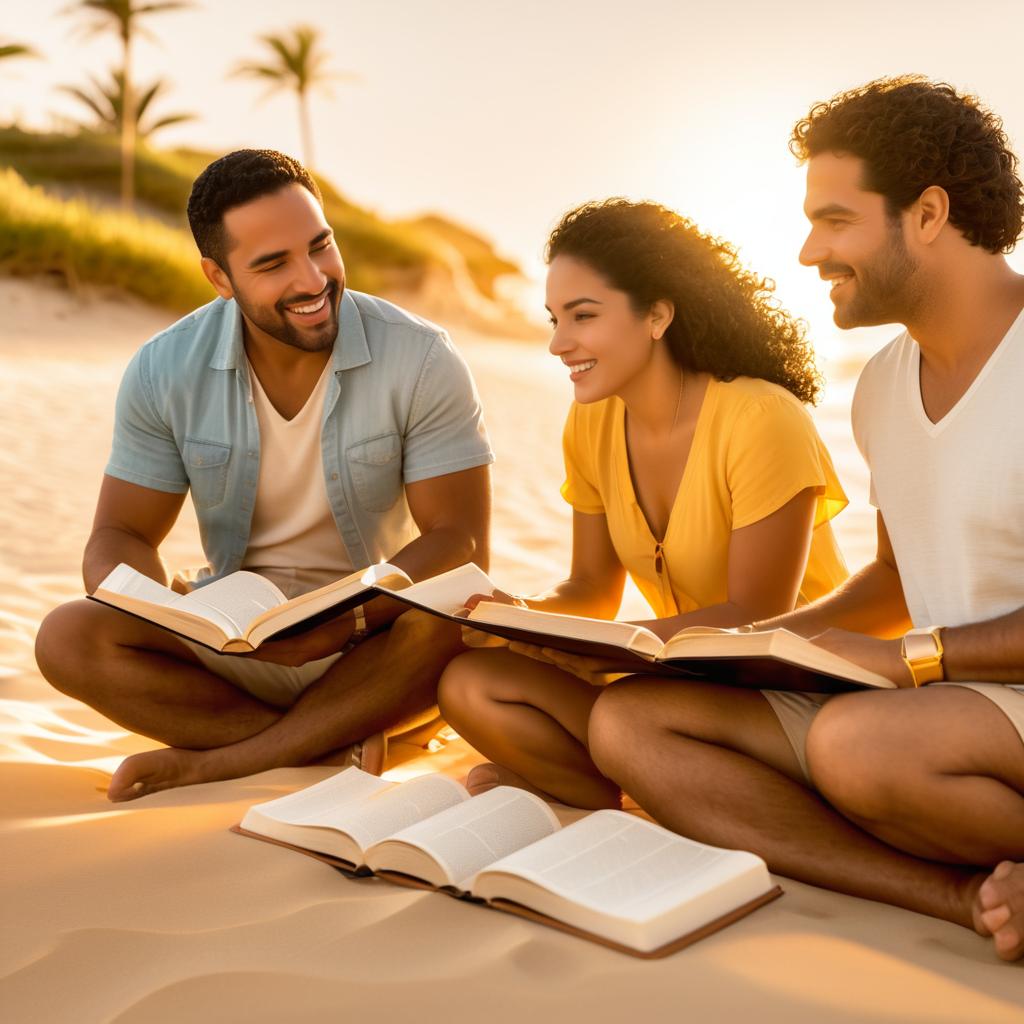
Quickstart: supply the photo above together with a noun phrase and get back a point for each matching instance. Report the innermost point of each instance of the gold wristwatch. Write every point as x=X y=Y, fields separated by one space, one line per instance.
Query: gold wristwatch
x=922 y=653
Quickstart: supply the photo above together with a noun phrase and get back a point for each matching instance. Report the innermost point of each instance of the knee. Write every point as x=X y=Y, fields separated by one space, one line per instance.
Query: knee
x=617 y=722
x=66 y=639
x=846 y=761
x=463 y=691
x=425 y=634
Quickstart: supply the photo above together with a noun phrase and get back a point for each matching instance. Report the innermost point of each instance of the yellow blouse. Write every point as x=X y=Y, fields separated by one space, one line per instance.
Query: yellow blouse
x=754 y=448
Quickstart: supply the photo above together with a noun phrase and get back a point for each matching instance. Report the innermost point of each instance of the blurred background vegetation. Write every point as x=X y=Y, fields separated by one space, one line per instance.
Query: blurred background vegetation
x=100 y=204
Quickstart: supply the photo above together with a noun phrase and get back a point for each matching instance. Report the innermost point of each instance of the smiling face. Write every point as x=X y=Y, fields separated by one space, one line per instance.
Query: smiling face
x=605 y=344
x=856 y=245
x=283 y=268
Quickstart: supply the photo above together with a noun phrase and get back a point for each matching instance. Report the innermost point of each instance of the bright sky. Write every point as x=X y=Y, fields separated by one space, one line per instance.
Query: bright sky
x=504 y=114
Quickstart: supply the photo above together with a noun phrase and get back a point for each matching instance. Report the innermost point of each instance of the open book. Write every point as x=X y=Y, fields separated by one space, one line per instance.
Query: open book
x=611 y=877
x=237 y=613
x=772 y=659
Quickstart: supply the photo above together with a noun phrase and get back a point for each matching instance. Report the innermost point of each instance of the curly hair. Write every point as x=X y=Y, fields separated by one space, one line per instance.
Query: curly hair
x=727 y=321
x=238 y=178
x=913 y=133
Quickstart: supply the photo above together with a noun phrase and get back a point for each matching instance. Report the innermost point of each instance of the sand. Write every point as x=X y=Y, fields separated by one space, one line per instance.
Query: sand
x=154 y=912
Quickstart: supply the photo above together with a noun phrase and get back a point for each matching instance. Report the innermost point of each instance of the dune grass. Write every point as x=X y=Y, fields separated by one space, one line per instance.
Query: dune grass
x=40 y=234
x=377 y=253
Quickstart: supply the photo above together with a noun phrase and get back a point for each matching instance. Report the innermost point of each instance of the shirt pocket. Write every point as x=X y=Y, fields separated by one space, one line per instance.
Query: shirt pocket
x=376 y=469
x=207 y=465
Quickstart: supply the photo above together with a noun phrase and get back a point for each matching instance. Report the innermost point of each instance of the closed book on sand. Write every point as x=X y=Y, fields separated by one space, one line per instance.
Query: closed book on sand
x=771 y=659
x=234 y=615
x=610 y=877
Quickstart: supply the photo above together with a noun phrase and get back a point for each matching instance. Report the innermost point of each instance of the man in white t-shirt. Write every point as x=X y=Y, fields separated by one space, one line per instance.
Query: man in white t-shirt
x=915 y=796
x=319 y=430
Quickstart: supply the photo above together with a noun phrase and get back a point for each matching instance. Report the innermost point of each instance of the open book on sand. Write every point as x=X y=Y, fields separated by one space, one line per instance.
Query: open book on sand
x=237 y=613
x=773 y=659
x=610 y=877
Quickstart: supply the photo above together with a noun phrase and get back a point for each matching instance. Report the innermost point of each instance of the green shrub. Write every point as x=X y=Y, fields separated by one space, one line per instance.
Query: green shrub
x=40 y=234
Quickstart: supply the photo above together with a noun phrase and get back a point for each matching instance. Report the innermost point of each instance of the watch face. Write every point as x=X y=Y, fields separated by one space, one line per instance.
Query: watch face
x=920 y=647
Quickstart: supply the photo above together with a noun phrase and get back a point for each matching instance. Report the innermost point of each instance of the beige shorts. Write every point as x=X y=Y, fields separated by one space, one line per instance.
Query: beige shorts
x=279 y=685
x=796 y=711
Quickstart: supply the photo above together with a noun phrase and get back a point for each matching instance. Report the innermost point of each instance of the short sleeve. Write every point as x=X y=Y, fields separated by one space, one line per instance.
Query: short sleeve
x=580 y=488
x=445 y=430
x=144 y=450
x=774 y=453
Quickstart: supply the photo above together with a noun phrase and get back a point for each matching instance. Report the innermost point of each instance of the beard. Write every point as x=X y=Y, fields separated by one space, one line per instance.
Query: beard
x=274 y=321
x=884 y=290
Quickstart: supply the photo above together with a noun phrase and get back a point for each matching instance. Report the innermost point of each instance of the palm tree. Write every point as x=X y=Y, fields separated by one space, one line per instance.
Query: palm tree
x=106 y=101
x=297 y=62
x=123 y=17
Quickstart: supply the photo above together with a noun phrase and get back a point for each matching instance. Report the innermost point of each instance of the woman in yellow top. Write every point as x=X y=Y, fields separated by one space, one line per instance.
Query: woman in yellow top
x=691 y=463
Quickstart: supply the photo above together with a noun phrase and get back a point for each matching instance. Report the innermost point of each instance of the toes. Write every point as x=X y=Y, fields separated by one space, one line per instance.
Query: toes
x=1009 y=943
x=995 y=918
x=482 y=778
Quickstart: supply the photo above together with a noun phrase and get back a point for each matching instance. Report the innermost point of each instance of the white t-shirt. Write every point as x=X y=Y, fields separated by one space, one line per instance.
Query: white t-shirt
x=951 y=493
x=293 y=540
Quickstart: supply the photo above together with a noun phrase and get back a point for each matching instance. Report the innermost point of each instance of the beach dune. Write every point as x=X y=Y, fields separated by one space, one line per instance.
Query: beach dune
x=155 y=912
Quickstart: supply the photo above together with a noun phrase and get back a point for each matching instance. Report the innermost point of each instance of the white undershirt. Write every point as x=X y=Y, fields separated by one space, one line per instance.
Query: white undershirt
x=951 y=493
x=293 y=540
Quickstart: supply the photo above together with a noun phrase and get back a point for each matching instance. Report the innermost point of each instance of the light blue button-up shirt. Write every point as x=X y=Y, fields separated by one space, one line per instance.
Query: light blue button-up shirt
x=401 y=407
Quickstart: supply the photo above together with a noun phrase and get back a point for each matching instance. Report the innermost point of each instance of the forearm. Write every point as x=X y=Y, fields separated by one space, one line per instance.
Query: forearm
x=991 y=652
x=871 y=602
x=108 y=547
x=576 y=596
x=721 y=616
x=430 y=554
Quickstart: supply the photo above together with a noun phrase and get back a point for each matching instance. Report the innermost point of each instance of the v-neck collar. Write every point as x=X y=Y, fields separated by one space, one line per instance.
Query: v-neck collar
x=700 y=428
x=272 y=409
x=935 y=427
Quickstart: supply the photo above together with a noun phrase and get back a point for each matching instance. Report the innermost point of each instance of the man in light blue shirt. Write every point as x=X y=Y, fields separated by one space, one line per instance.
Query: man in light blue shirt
x=318 y=430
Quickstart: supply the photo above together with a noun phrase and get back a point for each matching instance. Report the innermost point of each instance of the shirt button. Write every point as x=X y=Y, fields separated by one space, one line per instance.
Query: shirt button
x=334 y=476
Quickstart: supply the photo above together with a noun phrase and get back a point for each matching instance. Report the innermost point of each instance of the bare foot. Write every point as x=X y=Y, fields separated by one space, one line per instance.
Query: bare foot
x=154 y=770
x=486 y=776
x=998 y=909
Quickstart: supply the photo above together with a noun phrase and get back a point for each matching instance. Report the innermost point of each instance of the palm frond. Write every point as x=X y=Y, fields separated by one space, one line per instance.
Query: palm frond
x=17 y=50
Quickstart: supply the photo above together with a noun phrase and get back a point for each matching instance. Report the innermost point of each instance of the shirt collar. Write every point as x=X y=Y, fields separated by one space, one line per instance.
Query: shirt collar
x=350 y=346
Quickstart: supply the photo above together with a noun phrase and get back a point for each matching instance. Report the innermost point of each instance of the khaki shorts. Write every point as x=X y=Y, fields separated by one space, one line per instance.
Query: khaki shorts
x=796 y=711
x=279 y=685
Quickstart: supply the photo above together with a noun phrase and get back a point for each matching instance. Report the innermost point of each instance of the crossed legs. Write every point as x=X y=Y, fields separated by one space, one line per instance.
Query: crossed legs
x=147 y=681
x=918 y=794
x=531 y=718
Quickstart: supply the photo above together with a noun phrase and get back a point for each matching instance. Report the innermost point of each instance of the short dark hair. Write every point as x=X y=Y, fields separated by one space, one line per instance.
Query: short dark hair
x=727 y=321
x=238 y=178
x=913 y=133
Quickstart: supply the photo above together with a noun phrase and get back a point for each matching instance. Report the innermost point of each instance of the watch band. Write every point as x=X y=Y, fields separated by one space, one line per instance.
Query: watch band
x=922 y=652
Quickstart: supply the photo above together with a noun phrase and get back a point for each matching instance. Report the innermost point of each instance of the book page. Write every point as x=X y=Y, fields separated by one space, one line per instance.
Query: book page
x=384 y=813
x=469 y=836
x=621 y=634
x=239 y=599
x=132 y=583
x=624 y=866
x=324 y=803
x=130 y=590
x=449 y=592
x=781 y=644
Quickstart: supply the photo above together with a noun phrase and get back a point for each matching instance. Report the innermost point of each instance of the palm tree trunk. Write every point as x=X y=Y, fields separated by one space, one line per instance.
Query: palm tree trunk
x=307 y=133
x=127 y=131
